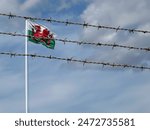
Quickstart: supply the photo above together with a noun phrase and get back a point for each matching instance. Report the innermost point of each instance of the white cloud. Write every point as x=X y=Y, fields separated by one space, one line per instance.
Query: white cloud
x=127 y=14
x=28 y=4
x=117 y=12
x=11 y=87
x=65 y=4
x=52 y=94
x=7 y=6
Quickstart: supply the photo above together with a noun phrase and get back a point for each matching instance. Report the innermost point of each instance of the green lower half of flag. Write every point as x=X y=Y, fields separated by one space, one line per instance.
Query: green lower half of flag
x=49 y=43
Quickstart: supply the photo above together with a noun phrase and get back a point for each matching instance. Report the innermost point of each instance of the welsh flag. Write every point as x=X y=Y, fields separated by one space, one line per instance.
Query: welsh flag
x=40 y=35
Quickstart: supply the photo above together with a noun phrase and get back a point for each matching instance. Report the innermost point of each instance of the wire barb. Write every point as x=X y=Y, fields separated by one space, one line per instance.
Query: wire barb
x=117 y=28
x=67 y=22
x=85 y=24
x=11 y=16
x=78 y=61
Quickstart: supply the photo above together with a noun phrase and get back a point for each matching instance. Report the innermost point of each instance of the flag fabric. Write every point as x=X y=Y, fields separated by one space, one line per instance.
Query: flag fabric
x=40 y=35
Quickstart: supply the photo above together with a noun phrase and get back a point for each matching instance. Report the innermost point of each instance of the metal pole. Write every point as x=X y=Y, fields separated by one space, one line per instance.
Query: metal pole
x=26 y=68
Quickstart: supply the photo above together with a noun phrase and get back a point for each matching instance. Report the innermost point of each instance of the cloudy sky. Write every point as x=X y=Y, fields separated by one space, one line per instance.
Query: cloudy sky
x=57 y=86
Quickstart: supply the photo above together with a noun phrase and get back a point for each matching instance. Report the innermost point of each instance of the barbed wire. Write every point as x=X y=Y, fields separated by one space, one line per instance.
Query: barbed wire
x=85 y=24
x=77 y=60
x=114 y=45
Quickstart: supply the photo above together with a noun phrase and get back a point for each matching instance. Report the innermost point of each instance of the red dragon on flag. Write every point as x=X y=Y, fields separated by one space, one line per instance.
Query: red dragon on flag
x=40 y=34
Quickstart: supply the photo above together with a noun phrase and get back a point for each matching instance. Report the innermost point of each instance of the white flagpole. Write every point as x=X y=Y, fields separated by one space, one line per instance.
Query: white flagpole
x=26 y=68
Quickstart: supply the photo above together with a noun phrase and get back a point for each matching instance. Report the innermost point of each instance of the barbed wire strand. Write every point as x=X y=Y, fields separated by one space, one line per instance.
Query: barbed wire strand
x=67 y=22
x=114 y=45
x=77 y=60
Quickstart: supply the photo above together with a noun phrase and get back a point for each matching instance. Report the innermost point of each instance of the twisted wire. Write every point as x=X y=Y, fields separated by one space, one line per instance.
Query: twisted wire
x=76 y=60
x=85 y=24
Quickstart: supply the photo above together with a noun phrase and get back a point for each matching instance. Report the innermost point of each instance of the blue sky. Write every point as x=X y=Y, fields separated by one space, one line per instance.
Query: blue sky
x=56 y=86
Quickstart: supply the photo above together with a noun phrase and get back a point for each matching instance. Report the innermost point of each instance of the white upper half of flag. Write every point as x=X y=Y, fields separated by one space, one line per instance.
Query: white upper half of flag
x=31 y=25
x=34 y=26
